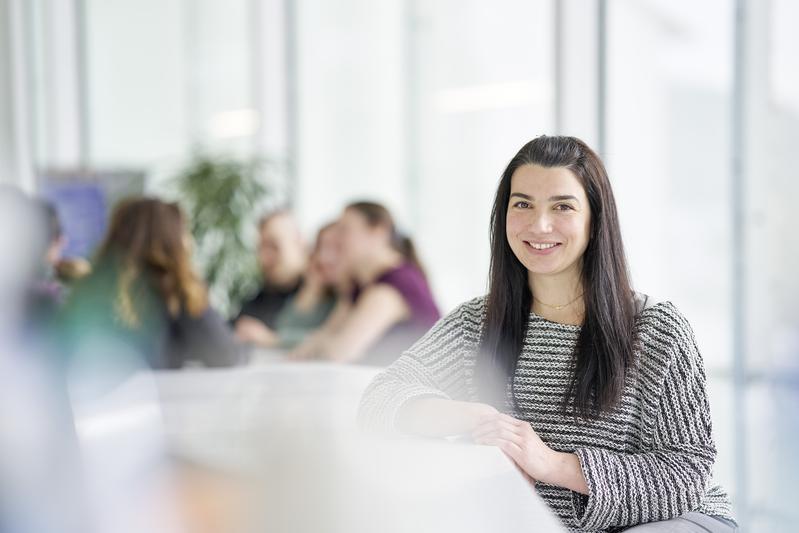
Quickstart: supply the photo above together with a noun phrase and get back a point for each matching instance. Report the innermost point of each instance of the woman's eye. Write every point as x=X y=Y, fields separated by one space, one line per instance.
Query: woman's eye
x=521 y=204
x=564 y=207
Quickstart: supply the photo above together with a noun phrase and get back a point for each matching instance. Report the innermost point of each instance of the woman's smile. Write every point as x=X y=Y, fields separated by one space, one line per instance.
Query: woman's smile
x=541 y=248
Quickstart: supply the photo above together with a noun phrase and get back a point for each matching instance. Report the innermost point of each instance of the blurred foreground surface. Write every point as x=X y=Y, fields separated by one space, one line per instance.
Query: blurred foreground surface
x=274 y=447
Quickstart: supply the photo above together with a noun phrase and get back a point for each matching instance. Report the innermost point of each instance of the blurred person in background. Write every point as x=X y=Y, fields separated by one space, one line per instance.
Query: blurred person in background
x=283 y=258
x=56 y=239
x=60 y=270
x=390 y=305
x=41 y=292
x=22 y=260
x=322 y=284
x=46 y=293
x=144 y=295
x=595 y=391
x=41 y=489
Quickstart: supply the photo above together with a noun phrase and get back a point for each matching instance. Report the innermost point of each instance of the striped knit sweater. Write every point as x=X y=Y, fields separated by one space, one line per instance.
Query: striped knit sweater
x=649 y=458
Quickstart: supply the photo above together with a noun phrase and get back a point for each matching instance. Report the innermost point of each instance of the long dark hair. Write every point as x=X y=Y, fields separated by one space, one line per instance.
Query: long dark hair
x=378 y=215
x=604 y=351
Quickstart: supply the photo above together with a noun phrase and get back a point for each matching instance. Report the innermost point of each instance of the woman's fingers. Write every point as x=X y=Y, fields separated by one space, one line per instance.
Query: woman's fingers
x=500 y=418
x=494 y=427
x=509 y=419
x=510 y=448
x=501 y=434
x=516 y=438
x=482 y=413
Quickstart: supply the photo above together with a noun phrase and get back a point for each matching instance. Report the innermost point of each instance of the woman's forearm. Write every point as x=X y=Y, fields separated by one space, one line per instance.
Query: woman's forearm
x=439 y=417
x=308 y=298
x=566 y=472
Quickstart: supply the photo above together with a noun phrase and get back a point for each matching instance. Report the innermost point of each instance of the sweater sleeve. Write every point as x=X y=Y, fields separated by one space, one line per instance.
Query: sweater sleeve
x=669 y=478
x=432 y=367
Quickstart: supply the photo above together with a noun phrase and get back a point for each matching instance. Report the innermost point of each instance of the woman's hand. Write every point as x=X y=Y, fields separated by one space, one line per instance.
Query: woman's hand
x=303 y=351
x=519 y=441
x=252 y=330
x=310 y=348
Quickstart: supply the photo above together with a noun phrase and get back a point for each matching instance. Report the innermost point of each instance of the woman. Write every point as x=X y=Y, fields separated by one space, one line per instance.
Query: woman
x=144 y=297
x=309 y=307
x=391 y=305
x=596 y=392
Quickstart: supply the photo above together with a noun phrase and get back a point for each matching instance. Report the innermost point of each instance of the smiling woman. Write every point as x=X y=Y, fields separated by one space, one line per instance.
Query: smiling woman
x=595 y=391
x=541 y=232
x=551 y=235
x=555 y=191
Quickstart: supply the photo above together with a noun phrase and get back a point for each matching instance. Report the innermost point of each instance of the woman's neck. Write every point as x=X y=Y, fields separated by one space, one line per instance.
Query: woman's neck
x=558 y=297
x=371 y=267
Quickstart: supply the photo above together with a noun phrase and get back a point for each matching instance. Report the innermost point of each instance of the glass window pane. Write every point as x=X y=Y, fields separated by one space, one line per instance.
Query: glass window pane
x=485 y=86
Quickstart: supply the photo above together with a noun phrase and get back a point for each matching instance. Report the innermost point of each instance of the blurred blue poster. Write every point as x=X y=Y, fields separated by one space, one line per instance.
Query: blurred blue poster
x=83 y=209
x=83 y=200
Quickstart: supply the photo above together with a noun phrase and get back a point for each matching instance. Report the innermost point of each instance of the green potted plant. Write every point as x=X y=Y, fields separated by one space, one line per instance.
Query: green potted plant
x=222 y=198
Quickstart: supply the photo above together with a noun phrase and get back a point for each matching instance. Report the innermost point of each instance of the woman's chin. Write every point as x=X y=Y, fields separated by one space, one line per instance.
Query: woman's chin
x=543 y=272
x=544 y=268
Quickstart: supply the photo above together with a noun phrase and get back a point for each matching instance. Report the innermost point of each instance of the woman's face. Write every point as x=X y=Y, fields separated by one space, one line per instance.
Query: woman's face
x=357 y=238
x=548 y=219
x=281 y=252
x=327 y=256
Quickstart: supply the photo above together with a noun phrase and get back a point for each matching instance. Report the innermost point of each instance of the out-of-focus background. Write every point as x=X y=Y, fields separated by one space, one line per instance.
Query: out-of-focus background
x=693 y=106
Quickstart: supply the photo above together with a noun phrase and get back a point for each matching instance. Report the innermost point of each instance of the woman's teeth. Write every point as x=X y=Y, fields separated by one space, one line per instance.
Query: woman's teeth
x=542 y=246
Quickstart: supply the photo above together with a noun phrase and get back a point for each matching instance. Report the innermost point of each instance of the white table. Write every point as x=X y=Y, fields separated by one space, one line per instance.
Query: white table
x=284 y=436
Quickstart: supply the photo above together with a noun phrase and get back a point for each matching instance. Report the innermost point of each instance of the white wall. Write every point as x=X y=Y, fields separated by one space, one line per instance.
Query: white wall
x=350 y=105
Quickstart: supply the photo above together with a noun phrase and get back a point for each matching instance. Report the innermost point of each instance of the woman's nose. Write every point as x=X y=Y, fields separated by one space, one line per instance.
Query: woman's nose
x=539 y=222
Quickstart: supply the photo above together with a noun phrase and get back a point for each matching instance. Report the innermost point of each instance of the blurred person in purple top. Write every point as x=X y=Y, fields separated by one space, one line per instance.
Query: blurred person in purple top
x=390 y=305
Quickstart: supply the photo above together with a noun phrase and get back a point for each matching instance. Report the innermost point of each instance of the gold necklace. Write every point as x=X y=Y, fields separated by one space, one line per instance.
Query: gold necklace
x=559 y=307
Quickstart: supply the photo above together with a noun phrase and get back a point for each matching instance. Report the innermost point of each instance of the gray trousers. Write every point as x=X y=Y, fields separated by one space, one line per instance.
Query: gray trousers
x=687 y=523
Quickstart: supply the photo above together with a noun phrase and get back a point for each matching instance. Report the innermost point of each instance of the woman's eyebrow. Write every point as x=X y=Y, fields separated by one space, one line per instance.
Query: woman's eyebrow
x=562 y=197
x=558 y=198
